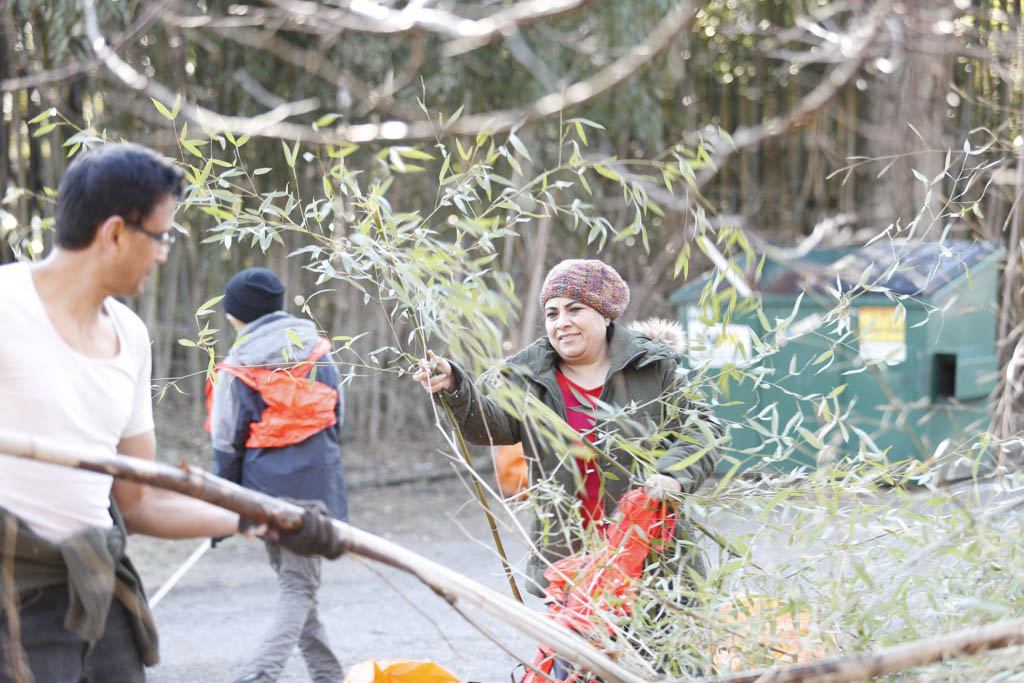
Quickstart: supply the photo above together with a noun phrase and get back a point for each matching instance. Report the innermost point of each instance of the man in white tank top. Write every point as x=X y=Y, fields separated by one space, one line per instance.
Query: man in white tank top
x=75 y=365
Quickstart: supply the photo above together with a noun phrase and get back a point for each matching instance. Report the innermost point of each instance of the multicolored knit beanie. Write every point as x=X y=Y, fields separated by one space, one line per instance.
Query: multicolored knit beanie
x=590 y=282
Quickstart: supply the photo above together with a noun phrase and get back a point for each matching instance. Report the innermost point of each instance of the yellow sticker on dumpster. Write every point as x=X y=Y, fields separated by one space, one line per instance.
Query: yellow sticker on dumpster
x=883 y=336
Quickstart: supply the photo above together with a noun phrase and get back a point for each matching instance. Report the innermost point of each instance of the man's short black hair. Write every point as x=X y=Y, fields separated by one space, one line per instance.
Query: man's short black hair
x=122 y=179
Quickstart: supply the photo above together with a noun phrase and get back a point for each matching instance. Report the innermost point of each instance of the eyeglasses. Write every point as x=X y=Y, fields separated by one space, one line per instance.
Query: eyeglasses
x=164 y=239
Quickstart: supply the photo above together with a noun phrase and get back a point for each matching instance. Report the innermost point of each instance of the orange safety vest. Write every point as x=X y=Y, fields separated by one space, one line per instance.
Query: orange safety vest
x=296 y=407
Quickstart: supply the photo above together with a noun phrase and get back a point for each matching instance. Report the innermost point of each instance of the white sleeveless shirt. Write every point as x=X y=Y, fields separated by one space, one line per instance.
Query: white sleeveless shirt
x=47 y=388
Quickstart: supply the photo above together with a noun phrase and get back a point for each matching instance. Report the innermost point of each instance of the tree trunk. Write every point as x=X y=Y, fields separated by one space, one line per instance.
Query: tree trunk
x=536 y=268
x=6 y=71
x=164 y=340
x=909 y=116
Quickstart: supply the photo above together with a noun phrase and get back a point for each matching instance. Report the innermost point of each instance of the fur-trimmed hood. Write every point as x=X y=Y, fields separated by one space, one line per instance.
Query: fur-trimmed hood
x=668 y=332
x=274 y=340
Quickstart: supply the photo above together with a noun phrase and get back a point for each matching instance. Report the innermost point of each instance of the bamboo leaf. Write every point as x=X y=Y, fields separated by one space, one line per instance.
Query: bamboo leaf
x=42 y=116
x=164 y=111
x=294 y=338
x=810 y=438
x=411 y=153
x=607 y=173
x=44 y=129
x=838 y=390
x=291 y=154
x=209 y=303
x=326 y=120
x=580 y=132
x=518 y=145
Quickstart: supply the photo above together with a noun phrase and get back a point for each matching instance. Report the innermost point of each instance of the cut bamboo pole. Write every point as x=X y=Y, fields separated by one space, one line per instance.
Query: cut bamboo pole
x=170 y=583
x=864 y=665
x=450 y=585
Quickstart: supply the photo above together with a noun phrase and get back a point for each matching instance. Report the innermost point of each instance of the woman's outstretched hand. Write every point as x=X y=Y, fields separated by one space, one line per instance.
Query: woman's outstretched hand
x=661 y=486
x=435 y=374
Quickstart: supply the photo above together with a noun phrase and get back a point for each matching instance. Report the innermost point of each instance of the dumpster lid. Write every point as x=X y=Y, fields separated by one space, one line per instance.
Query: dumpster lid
x=901 y=266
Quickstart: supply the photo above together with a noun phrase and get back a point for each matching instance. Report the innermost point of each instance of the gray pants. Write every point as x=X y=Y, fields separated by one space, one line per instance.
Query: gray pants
x=296 y=622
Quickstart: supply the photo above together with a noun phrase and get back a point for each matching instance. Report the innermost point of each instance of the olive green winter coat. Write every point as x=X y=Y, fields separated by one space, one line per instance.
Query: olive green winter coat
x=642 y=372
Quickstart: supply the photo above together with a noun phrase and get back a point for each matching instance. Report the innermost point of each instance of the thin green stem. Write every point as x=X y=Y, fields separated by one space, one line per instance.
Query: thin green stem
x=483 y=501
x=464 y=450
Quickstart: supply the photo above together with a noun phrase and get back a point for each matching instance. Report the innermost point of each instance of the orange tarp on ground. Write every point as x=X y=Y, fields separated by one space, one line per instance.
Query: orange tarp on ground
x=399 y=671
x=788 y=637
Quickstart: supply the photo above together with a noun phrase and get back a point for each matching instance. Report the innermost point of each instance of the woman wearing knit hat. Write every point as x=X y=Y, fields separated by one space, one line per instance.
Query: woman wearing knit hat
x=600 y=378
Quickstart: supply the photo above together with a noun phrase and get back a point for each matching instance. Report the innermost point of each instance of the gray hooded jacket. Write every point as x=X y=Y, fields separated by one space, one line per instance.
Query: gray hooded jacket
x=310 y=469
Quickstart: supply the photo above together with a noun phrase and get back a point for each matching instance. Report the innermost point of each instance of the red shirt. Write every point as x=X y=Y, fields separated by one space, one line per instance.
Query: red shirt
x=583 y=422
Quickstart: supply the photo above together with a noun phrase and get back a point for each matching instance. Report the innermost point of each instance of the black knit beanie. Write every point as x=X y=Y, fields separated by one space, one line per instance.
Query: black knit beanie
x=252 y=293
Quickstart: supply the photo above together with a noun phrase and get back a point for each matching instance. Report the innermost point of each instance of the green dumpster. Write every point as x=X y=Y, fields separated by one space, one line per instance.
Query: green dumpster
x=896 y=337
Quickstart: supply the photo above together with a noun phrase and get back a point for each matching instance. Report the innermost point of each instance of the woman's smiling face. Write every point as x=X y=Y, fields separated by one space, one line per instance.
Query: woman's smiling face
x=576 y=331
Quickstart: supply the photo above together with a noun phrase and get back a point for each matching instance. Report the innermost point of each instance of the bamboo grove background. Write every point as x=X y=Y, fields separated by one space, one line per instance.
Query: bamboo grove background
x=935 y=76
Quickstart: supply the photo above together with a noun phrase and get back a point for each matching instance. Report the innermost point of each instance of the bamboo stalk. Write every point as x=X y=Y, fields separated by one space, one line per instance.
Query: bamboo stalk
x=890 y=660
x=464 y=451
x=452 y=586
x=205 y=545
x=483 y=501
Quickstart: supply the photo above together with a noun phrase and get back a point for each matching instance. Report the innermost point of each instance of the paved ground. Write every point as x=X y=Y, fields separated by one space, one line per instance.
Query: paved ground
x=216 y=614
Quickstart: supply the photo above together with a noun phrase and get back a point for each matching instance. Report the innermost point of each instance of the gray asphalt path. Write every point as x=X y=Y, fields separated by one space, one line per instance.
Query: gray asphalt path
x=214 y=617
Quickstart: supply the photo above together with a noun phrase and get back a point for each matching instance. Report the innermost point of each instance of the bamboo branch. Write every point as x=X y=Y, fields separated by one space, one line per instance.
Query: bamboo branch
x=258 y=125
x=149 y=16
x=890 y=660
x=509 y=20
x=367 y=16
x=452 y=586
x=464 y=450
x=855 y=47
x=313 y=61
x=483 y=501
x=273 y=123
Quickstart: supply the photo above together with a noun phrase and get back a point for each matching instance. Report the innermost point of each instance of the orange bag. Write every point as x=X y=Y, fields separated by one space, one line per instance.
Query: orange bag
x=399 y=671
x=603 y=580
x=510 y=467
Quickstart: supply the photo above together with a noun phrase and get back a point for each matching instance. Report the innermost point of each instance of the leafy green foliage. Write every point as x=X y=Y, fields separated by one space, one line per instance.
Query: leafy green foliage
x=861 y=546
